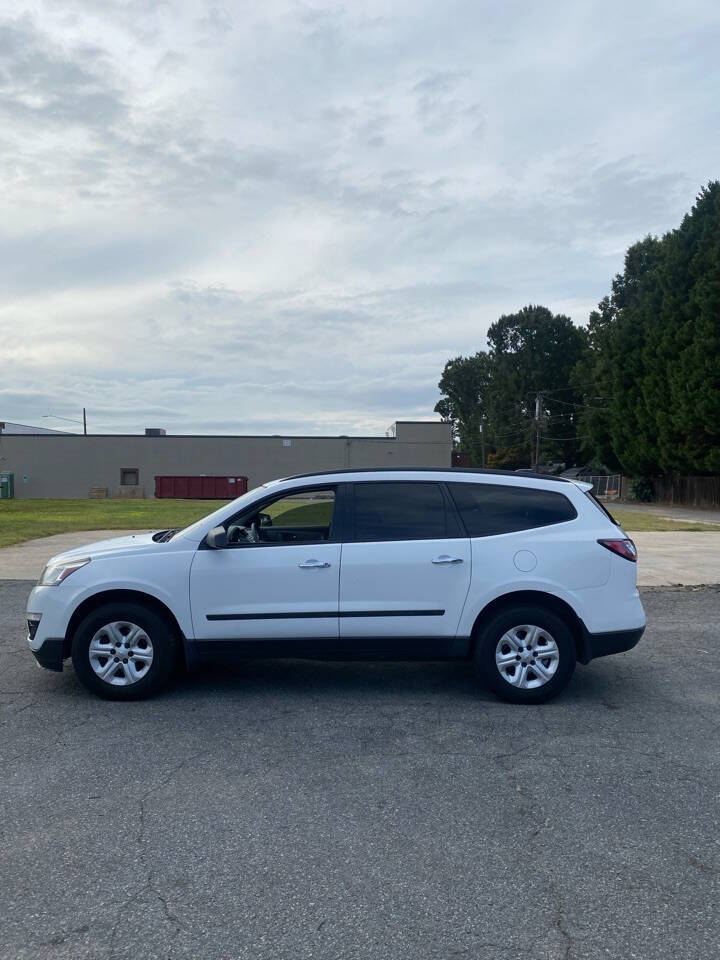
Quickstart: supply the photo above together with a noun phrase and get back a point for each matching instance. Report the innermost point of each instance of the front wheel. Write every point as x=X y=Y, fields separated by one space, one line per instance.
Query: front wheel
x=123 y=651
x=526 y=654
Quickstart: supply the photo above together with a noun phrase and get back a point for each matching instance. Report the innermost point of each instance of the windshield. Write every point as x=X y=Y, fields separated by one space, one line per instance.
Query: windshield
x=196 y=530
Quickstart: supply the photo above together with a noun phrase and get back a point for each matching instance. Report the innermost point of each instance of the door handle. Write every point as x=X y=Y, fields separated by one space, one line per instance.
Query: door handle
x=313 y=564
x=444 y=558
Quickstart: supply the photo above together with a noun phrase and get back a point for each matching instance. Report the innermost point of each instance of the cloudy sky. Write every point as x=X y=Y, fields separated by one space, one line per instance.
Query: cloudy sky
x=285 y=216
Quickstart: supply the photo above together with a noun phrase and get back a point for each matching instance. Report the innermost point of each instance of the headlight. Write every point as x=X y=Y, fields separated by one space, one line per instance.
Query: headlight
x=55 y=574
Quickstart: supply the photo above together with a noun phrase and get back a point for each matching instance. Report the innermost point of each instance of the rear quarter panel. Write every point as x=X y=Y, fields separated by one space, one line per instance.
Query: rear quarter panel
x=564 y=560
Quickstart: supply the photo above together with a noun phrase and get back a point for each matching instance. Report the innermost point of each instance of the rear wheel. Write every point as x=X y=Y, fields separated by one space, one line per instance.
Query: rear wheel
x=124 y=651
x=526 y=654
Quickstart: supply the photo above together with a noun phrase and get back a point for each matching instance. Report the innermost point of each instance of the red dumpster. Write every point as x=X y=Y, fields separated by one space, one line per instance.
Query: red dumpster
x=200 y=488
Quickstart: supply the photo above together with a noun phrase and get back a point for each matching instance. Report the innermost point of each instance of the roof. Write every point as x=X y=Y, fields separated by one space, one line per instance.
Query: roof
x=576 y=472
x=452 y=471
x=212 y=436
x=7 y=428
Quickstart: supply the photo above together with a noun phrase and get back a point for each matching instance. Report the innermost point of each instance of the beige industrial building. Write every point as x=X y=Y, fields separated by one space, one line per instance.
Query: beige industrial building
x=73 y=465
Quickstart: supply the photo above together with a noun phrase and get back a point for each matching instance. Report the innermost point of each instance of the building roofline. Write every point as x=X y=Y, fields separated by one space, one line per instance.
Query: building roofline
x=218 y=436
x=453 y=471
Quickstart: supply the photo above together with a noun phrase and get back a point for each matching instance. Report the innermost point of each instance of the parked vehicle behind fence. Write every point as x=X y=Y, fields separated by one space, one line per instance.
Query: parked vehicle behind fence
x=522 y=574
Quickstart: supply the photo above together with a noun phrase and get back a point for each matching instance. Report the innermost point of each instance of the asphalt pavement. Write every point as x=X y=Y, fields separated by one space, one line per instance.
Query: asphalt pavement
x=292 y=810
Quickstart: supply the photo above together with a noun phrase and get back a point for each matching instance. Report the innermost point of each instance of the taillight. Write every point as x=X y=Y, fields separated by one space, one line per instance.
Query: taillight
x=623 y=548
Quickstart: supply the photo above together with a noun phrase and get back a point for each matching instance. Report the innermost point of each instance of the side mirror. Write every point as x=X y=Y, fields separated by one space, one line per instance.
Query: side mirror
x=216 y=538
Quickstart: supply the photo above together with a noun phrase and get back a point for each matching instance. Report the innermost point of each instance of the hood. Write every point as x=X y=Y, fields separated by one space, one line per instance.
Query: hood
x=136 y=541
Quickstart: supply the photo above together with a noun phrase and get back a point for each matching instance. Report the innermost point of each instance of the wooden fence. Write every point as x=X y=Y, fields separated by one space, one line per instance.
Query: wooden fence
x=688 y=491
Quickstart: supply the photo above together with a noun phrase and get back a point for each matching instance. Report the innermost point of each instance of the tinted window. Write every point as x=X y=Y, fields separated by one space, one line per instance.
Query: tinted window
x=488 y=509
x=307 y=509
x=301 y=517
x=401 y=511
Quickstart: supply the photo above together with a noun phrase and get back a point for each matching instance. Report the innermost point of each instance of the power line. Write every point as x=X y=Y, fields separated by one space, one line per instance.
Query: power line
x=584 y=406
x=504 y=436
x=579 y=389
x=558 y=390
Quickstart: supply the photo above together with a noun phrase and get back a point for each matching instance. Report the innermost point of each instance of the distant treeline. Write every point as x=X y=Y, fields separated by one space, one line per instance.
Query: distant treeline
x=637 y=390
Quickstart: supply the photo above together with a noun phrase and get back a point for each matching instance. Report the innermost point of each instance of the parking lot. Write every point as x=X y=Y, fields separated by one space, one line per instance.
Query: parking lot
x=298 y=809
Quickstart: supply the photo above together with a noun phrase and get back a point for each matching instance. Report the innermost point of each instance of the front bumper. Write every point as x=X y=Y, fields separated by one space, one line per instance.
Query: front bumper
x=594 y=645
x=51 y=654
x=48 y=609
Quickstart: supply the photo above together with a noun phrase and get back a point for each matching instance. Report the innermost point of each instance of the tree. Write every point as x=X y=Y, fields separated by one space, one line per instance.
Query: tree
x=639 y=389
x=464 y=385
x=615 y=420
x=591 y=377
x=534 y=352
x=689 y=423
x=654 y=353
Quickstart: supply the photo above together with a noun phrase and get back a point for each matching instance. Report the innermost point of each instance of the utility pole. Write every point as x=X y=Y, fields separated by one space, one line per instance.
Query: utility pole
x=482 y=446
x=84 y=423
x=538 y=422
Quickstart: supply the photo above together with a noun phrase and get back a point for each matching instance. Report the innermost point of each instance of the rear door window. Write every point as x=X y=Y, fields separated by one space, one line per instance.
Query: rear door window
x=488 y=509
x=402 y=511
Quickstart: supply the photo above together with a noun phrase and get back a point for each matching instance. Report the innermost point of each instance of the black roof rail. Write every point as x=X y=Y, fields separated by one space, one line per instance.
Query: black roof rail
x=450 y=470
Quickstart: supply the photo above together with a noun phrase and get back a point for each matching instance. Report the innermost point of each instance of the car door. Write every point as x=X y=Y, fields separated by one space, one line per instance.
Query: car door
x=278 y=576
x=406 y=565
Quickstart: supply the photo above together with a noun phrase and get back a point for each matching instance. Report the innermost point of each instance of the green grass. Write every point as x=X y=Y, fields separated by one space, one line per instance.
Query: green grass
x=27 y=519
x=636 y=521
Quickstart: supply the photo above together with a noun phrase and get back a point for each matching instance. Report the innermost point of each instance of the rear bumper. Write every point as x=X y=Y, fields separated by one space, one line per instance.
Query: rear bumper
x=594 y=645
x=50 y=654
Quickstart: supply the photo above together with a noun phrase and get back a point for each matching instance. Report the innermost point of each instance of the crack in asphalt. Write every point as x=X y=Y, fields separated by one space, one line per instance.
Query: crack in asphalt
x=15 y=713
x=560 y=922
x=149 y=884
x=58 y=939
x=536 y=813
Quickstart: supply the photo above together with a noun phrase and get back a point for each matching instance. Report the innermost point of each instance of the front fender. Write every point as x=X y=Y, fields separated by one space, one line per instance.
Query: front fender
x=177 y=602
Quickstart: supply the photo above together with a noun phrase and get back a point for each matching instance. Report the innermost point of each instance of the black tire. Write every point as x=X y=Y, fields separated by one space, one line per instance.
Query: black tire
x=158 y=630
x=493 y=631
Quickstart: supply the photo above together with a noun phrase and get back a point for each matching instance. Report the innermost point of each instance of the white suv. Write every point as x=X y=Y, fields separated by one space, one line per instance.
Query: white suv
x=523 y=574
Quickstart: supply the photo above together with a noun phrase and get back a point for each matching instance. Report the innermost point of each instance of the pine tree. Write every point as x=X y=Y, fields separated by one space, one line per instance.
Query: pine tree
x=654 y=353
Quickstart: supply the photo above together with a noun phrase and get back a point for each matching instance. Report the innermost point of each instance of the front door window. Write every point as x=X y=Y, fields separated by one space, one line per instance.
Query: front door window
x=305 y=517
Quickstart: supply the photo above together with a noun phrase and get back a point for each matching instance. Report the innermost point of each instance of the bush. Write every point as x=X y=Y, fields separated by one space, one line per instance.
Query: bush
x=643 y=489
x=509 y=458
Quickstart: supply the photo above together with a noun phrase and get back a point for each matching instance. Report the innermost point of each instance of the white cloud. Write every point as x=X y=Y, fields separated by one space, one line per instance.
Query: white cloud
x=287 y=216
